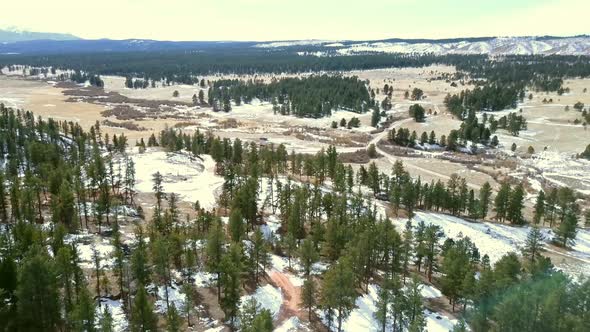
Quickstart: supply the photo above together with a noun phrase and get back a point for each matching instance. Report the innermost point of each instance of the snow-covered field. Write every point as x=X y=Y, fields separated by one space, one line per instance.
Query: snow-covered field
x=495 y=240
x=191 y=178
x=562 y=169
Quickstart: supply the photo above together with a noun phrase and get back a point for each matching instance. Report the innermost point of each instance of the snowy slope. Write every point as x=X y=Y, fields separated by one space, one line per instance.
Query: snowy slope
x=579 y=45
x=13 y=34
x=497 y=240
x=362 y=318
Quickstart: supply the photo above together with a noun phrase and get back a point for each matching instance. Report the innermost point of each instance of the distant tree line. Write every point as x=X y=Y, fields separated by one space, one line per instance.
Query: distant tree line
x=541 y=73
x=80 y=77
x=313 y=96
x=487 y=98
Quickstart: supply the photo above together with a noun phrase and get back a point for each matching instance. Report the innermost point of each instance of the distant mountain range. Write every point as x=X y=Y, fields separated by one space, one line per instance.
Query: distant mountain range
x=13 y=41
x=11 y=35
x=545 y=45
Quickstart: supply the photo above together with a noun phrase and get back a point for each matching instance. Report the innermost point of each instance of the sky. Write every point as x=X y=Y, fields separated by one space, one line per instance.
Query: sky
x=263 y=20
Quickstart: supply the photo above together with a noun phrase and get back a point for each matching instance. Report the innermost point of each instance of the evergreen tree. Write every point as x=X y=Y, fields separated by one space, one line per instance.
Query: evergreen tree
x=501 y=201
x=173 y=321
x=308 y=296
x=66 y=271
x=139 y=259
x=158 y=190
x=432 y=234
x=161 y=261
x=338 y=292
x=143 y=318
x=417 y=112
x=63 y=206
x=236 y=225
x=248 y=312
x=189 y=301
x=254 y=319
x=231 y=268
x=407 y=249
x=84 y=312
x=375 y=117
x=3 y=195
x=106 y=321
x=262 y=322
x=484 y=199
x=539 y=207
x=515 y=205
x=565 y=233
x=308 y=256
x=215 y=245
x=533 y=245
x=258 y=254
x=37 y=292
x=290 y=246
x=456 y=266
x=118 y=256
x=201 y=97
x=384 y=303
x=414 y=306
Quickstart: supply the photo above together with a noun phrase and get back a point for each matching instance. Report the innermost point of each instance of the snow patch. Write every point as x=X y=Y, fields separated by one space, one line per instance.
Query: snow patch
x=268 y=297
x=191 y=178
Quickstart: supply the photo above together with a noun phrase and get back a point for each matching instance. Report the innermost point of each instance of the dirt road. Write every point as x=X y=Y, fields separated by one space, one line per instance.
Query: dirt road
x=291 y=297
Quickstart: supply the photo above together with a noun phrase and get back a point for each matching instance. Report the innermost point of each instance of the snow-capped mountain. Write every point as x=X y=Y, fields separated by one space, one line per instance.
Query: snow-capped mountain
x=13 y=34
x=24 y=42
x=578 y=45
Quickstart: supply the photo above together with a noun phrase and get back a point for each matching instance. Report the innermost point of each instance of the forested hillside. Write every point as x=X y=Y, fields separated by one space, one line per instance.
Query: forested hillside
x=62 y=186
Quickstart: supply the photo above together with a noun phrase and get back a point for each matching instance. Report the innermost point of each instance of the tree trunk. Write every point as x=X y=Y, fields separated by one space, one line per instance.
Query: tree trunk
x=39 y=206
x=219 y=286
x=167 y=299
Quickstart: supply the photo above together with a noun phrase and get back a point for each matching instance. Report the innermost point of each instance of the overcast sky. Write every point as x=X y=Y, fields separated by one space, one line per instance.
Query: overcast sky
x=297 y=19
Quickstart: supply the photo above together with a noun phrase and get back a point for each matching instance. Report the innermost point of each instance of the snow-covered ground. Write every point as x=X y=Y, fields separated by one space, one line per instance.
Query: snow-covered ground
x=86 y=244
x=204 y=279
x=191 y=178
x=280 y=264
x=115 y=308
x=175 y=297
x=430 y=292
x=268 y=297
x=292 y=324
x=561 y=169
x=497 y=240
x=362 y=317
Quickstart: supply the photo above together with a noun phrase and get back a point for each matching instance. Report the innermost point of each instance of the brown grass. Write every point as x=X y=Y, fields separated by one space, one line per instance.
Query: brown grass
x=129 y=125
